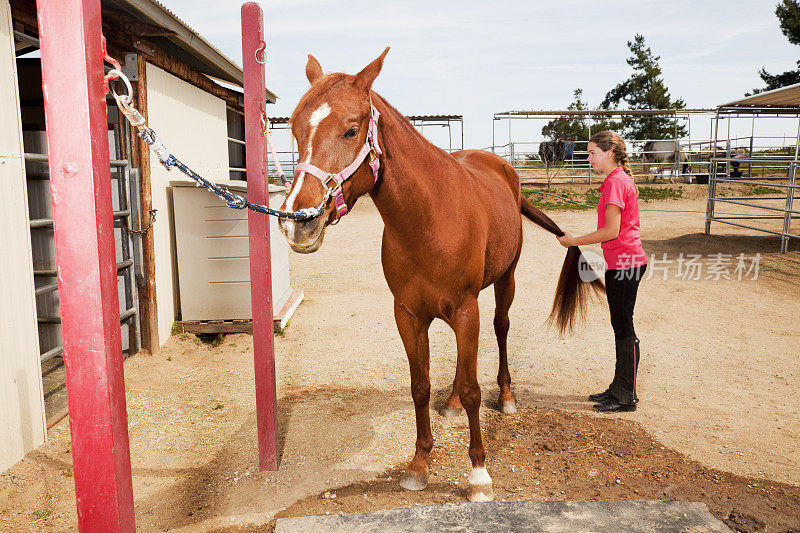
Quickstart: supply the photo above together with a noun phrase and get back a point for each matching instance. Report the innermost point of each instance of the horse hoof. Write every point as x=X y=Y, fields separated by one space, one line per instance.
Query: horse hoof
x=480 y=493
x=507 y=407
x=450 y=411
x=414 y=481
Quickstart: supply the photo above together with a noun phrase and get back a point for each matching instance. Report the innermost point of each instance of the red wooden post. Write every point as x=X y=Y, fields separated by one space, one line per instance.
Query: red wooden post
x=80 y=184
x=253 y=57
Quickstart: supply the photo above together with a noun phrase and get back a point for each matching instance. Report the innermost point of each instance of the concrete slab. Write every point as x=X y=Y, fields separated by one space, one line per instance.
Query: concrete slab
x=540 y=516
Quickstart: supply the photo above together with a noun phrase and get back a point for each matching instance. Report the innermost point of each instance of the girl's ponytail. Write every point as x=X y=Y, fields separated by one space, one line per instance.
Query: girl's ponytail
x=624 y=164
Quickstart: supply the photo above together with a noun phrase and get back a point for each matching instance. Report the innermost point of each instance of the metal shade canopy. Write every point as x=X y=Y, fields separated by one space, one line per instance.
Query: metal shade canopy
x=785 y=97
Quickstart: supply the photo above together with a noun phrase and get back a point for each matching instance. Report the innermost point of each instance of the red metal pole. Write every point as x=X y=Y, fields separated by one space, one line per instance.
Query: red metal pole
x=253 y=57
x=80 y=184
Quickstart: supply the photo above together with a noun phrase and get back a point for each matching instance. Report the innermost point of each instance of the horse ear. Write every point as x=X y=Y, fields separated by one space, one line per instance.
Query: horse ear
x=365 y=78
x=313 y=69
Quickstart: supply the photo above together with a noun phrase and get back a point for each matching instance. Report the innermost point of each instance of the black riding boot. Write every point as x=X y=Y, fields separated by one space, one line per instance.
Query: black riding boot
x=622 y=391
x=618 y=370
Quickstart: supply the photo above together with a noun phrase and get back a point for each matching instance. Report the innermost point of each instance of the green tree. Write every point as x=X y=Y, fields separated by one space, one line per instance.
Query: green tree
x=602 y=122
x=788 y=13
x=570 y=127
x=645 y=89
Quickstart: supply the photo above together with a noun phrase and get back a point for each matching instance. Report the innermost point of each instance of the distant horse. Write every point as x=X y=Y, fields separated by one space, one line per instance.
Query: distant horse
x=452 y=227
x=657 y=153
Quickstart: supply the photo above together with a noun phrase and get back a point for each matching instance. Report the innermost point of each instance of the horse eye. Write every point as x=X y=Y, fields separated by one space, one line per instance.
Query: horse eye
x=351 y=132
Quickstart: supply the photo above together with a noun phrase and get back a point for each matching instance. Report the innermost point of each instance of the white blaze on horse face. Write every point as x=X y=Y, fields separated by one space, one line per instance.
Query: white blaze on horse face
x=321 y=112
x=316 y=117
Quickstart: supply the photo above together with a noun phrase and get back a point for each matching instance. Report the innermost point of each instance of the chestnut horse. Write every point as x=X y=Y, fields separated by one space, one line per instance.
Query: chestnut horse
x=452 y=227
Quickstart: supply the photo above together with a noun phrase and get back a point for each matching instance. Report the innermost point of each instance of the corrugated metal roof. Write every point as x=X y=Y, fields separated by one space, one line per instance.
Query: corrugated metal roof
x=185 y=43
x=421 y=118
x=424 y=118
x=785 y=97
x=603 y=112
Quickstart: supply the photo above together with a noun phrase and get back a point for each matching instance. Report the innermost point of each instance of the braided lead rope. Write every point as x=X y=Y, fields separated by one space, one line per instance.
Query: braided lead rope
x=235 y=201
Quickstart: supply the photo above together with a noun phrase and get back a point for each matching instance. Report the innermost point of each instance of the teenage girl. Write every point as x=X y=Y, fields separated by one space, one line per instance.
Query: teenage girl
x=618 y=231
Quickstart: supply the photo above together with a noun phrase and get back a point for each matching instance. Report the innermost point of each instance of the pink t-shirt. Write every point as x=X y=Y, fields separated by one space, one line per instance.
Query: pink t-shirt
x=626 y=250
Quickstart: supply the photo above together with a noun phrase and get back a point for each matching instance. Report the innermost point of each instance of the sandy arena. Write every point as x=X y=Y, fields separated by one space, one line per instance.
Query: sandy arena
x=717 y=422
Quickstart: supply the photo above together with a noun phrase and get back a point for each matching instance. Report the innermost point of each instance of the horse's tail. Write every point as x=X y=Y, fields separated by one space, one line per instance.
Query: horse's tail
x=572 y=292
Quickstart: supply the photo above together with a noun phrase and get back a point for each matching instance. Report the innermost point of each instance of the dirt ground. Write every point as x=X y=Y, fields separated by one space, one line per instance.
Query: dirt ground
x=717 y=422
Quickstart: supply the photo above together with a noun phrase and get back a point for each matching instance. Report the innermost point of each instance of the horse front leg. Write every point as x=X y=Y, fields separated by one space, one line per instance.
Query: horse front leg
x=414 y=333
x=466 y=324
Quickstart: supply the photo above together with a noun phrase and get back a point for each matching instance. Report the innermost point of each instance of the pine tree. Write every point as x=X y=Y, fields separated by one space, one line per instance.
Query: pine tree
x=788 y=13
x=576 y=127
x=570 y=128
x=645 y=89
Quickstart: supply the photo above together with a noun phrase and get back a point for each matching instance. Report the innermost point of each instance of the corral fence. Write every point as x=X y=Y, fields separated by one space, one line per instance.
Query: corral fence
x=683 y=159
x=770 y=173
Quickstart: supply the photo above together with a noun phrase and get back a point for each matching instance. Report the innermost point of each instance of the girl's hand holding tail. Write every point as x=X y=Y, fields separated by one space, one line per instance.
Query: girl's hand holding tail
x=566 y=240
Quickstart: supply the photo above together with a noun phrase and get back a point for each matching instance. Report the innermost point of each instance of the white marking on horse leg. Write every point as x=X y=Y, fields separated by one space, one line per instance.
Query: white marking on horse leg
x=508 y=407
x=479 y=476
x=480 y=486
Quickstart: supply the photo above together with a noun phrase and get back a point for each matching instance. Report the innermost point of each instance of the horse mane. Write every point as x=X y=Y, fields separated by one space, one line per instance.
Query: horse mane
x=408 y=128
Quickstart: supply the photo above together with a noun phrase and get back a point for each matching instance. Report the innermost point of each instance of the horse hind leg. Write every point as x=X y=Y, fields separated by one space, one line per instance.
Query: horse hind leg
x=414 y=333
x=452 y=406
x=504 y=296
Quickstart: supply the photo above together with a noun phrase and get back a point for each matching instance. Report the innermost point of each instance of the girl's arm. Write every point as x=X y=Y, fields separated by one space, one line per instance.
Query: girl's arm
x=606 y=233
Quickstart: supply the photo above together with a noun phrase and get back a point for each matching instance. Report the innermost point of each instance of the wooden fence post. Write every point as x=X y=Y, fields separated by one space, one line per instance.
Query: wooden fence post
x=80 y=184
x=253 y=58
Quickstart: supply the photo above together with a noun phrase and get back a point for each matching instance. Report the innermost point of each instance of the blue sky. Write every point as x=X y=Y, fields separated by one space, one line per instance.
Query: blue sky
x=479 y=58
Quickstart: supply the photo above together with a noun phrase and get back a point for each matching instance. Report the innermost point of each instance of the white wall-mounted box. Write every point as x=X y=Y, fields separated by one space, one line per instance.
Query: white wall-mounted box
x=213 y=256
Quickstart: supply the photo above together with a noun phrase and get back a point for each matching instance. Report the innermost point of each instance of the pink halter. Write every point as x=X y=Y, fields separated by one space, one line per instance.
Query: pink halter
x=370 y=149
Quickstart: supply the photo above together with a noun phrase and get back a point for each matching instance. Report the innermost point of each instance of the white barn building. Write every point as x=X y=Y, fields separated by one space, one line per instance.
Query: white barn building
x=191 y=95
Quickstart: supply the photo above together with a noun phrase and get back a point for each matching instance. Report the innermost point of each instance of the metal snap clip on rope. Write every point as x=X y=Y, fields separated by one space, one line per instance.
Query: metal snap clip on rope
x=124 y=100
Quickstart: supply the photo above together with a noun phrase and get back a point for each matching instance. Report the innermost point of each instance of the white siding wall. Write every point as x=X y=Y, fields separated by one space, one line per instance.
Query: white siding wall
x=22 y=425
x=193 y=126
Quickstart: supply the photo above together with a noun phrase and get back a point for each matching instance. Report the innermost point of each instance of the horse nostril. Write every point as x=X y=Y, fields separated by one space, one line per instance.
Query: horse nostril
x=298 y=230
x=306 y=226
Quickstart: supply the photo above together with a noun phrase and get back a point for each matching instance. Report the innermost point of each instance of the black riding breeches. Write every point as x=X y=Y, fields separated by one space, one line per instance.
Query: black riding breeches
x=621 y=288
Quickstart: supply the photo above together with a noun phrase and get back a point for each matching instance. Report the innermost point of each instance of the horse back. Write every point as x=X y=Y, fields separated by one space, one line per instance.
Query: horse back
x=488 y=169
